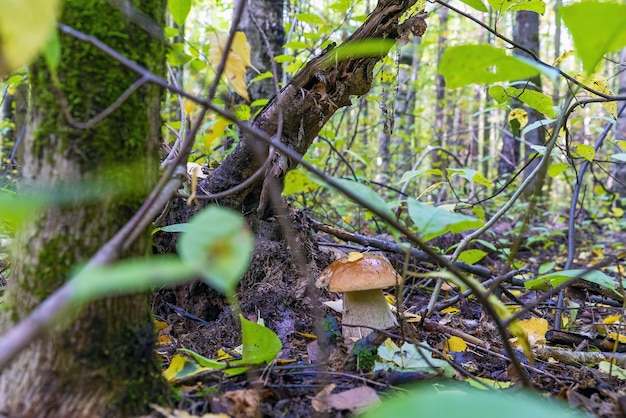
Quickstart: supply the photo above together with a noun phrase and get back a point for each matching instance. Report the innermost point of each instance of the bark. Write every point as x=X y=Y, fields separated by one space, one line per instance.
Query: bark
x=617 y=183
x=440 y=93
x=525 y=33
x=102 y=364
x=307 y=103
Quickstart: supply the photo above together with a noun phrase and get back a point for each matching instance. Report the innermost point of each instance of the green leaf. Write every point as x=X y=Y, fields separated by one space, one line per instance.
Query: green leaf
x=179 y=10
x=620 y=156
x=472 y=176
x=507 y=6
x=432 y=222
x=557 y=168
x=368 y=194
x=471 y=256
x=596 y=28
x=447 y=400
x=297 y=181
x=25 y=27
x=483 y=64
x=218 y=245
x=545 y=282
x=585 y=151
x=128 y=276
x=476 y=4
x=310 y=18
x=259 y=345
x=498 y=93
x=541 y=102
x=174 y=228
x=52 y=51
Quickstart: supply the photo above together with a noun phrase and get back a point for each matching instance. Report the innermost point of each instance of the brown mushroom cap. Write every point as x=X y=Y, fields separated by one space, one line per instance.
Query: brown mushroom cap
x=368 y=272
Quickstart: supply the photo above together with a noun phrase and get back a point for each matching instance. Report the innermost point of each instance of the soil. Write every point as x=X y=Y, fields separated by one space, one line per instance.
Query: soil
x=315 y=363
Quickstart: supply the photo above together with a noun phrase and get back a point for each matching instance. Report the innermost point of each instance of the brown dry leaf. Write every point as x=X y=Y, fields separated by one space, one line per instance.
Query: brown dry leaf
x=354 y=400
x=320 y=401
x=177 y=413
x=244 y=403
x=237 y=61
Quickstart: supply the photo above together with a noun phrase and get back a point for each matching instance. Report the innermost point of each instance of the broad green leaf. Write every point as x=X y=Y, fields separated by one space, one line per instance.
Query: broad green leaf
x=432 y=222
x=128 y=276
x=499 y=94
x=52 y=51
x=297 y=181
x=25 y=27
x=179 y=10
x=181 y=367
x=173 y=228
x=483 y=64
x=541 y=102
x=507 y=6
x=620 y=156
x=599 y=84
x=476 y=4
x=557 y=168
x=545 y=282
x=310 y=18
x=15 y=210
x=368 y=194
x=471 y=256
x=597 y=28
x=470 y=175
x=259 y=345
x=449 y=399
x=585 y=151
x=218 y=245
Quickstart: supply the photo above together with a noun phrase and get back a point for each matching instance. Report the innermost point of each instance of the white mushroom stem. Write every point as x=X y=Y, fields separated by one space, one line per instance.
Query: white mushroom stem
x=365 y=307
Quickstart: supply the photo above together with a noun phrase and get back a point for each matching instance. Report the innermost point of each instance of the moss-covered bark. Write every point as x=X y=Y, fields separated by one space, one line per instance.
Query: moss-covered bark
x=103 y=363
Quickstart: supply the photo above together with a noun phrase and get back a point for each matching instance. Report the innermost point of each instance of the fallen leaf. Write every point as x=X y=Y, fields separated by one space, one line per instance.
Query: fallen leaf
x=320 y=401
x=354 y=400
x=455 y=344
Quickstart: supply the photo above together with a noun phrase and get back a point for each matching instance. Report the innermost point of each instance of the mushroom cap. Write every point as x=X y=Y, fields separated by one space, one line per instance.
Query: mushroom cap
x=364 y=273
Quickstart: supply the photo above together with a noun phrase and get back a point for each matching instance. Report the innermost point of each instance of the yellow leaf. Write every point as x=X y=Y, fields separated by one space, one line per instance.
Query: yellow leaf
x=189 y=105
x=613 y=319
x=489 y=382
x=307 y=335
x=25 y=27
x=176 y=365
x=563 y=56
x=354 y=256
x=237 y=61
x=451 y=310
x=520 y=115
x=455 y=344
x=618 y=337
x=390 y=299
x=600 y=84
x=535 y=330
x=215 y=131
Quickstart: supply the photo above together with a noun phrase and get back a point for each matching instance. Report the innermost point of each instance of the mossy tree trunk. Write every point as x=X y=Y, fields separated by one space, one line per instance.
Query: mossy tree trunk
x=102 y=363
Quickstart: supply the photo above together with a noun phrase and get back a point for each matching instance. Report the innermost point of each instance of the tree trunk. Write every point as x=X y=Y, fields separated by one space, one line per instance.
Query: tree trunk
x=617 y=182
x=102 y=364
x=525 y=33
x=306 y=104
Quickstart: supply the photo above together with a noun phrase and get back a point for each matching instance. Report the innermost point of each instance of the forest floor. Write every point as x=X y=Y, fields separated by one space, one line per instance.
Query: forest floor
x=317 y=375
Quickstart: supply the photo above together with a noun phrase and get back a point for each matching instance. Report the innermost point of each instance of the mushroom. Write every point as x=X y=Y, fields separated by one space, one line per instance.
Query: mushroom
x=361 y=278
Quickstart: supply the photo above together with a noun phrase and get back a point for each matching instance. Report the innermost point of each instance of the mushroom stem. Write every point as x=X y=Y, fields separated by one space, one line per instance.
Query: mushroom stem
x=365 y=307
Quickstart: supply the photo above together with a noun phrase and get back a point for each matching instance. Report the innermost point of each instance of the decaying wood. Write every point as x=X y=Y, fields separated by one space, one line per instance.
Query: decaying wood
x=322 y=87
